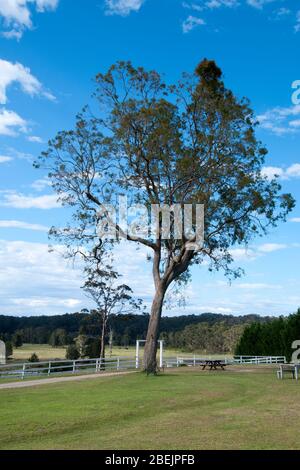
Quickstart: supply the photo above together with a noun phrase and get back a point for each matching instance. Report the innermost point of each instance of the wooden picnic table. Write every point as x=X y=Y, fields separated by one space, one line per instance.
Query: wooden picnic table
x=213 y=364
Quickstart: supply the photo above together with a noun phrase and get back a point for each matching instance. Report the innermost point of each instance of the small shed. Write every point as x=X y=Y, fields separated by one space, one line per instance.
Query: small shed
x=2 y=353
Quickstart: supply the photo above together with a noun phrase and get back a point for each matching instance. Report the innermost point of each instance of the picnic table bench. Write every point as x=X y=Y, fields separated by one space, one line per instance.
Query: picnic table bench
x=213 y=364
x=293 y=369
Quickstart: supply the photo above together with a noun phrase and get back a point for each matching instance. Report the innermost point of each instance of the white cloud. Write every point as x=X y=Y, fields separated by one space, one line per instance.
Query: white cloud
x=16 y=73
x=297 y=25
x=254 y=252
x=41 y=184
x=34 y=281
x=272 y=171
x=4 y=159
x=13 y=153
x=122 y=7
x=280 y=120
x=11 y=123
x=191 y=22
x=21 y=201
x=295 y=123
x=17 y=14
x=13 y=34
x=295 y=220
x=256 y=286
x=212 y=4
x=130 y=261
x=259 y=4
x=293 y=171
x=271 y=247
x=281 y=12
x=46 y=302
x=192 y=6
x=23 y=225
x=243 y=254
x=35 y=139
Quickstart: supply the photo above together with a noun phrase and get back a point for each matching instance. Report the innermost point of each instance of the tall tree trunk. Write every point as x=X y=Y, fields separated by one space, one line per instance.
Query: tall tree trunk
x=111 y=336
x=150 y=363
x=102 y=348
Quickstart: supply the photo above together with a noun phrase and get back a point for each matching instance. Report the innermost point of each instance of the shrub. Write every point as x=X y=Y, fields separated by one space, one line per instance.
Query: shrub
x=92 y=349
x=9 y=349
x=34 y=358
x=72 y=352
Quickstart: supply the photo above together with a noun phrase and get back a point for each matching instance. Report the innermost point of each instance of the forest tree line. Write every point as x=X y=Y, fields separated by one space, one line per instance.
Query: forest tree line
x=208 y=332
x=274 y=338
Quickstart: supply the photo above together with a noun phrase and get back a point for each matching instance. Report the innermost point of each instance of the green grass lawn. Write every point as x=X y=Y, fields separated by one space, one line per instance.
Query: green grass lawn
x=181 y=409
x=46 y=352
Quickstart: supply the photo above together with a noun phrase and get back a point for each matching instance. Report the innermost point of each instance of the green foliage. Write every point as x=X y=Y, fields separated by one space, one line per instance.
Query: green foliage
x=92 y=349
x=206 y=338
x=192 y=142
x=58 y=338
x=34 y=358
x=9 y=349
x=81 y=343
x=17 y=340
x=274 y=338
x=127 y=327
x=72 y=352
x=88 y=346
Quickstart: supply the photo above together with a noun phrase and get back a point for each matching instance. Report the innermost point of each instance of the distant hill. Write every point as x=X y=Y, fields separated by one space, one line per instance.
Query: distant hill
x=127 y=328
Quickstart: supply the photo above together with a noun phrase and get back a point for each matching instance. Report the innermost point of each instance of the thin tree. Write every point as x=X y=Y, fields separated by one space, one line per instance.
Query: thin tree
x=189 y=143
x=111 y=339
x=102 y=286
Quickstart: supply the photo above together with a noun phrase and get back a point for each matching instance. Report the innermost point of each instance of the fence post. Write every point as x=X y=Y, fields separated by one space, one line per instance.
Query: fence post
x=74 y=367
x=97 y=364
x=161 y=353
x=118 y=363
x=23 y=371
x=177 y=361
x=194 y=360
x=49 y=368
x=137 y=355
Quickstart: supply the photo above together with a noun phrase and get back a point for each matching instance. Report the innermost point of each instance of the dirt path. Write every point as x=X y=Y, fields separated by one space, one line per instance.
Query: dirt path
x=34 y=383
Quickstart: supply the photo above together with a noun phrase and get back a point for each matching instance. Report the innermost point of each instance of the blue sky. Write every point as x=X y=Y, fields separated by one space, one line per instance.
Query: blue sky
x=49 y=52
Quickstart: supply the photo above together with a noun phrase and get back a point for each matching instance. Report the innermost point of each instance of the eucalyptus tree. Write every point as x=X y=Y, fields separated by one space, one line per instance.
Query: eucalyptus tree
x=191 y=143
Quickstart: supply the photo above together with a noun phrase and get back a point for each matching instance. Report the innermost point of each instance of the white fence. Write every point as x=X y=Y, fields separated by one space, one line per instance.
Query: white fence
x=64 y=367
x=83 y=366
x=259 y=359
x=198 y=361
